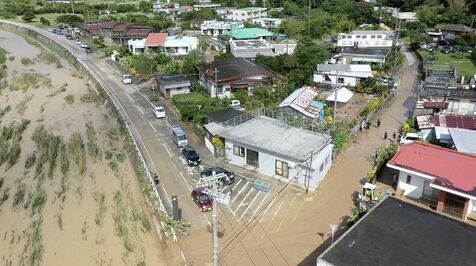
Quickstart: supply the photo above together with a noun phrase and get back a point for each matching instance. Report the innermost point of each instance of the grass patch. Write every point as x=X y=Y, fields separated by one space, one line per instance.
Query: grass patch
x=142 y=219
x=120 y=221
x=4 y=196
x=29 y=80
x=69 y=99
x=10 y=139
x=462 y=61
x=27 y=61
x=101 y=207
x=64 y=160
x=50 y=58
x=3 y=56
x=48 y=149
x=58 y=90
x=5 y=110
x=93 y=149
x=30 y=160
x=19 y=196
x=77 y=152
x=22 y=105
x=38 y=202
x=91 y=96
x=77 y=74
x=33 y=250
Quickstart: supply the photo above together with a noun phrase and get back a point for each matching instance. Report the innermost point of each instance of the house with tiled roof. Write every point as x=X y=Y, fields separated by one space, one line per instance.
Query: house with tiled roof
x=441 y=178
x=116 y=33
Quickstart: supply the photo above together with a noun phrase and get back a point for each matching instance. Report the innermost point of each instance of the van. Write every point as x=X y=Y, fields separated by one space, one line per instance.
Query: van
x=411 y=137
x=126 y=79
x=179 y=137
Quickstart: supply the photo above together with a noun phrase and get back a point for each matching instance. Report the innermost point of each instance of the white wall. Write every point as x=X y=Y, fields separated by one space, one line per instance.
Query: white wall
x=348 y=81
x=209 y=146
x=348 y=40
x=415 y=188
x=267 y=164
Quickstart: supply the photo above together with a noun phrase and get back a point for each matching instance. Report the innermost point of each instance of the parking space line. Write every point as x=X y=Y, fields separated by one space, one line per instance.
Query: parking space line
x=231 y=210
x=276 y=212
x=249 y=205
x=127 y=94
x=140 y=110
x=201 y=167
x=286 y=214
x=239 y=205
x=267 y=209
x=153 y=128
x=259 y=206
x=170 y=154
x=239 y=192
x=237 y=184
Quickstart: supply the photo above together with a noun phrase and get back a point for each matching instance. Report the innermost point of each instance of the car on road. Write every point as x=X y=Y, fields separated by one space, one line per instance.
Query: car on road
x=51 y=29
x=227 y=179
x=59 y=32
x=126 y=79
x=159 y=112
x=191 y=156
x=88 y=49
x=202 y=199
x=78 y=42
x=83 y=45
x=69 y=37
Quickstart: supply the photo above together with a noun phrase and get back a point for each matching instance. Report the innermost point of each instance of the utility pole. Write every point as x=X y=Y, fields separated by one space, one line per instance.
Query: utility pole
x=215 y=222
x=72 y=5
x=309 y=20
x=309 y=175
x=336 y=90
x=215 y=72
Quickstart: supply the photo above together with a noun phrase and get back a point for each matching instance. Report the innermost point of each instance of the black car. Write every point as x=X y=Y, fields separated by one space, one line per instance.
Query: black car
x=228 y=179
x=191 y=156
x=69 y=37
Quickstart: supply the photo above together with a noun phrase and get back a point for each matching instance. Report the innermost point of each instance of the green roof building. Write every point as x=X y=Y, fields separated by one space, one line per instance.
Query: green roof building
x=249 y=33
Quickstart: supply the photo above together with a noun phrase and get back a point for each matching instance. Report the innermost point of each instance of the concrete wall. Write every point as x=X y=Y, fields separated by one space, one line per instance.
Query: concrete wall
x=415 y=188
x=348 y=81
x=267 y=164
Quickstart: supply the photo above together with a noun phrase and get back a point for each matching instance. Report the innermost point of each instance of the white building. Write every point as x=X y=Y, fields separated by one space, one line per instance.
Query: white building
x=248 y=13
x=136 y=46
x=215 y=28
x=172 y=84
x=205 y=6
x=442 y=178
x=343 y=74
x=366 y=39
x=180 y=45
x=267 y=22
x=279 y=150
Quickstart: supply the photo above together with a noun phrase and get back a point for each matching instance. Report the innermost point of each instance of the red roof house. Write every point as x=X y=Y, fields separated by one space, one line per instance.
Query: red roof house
x=156 y=39
x=439 y=176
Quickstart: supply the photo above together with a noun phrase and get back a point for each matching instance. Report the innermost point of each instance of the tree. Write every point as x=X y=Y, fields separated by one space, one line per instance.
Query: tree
x=473 y=55
x=189 y=63
x=170 y=67
x=28 y=17
x=145 y=6
x=69 y=19
x=45 y=21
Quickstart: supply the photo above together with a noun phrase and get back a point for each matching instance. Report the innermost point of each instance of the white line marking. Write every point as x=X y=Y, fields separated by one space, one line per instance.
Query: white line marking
x=243 y=200
x=127 y=94
x=239 y=192
x=201 y=167
x=185 y=181
x=170 y=154
x=140 y=110
x=259 y=206
x=267 y=209
x=249 y=205
x=286 y=214
x=231 y=210
x=277 y=210
x=237 y=184
x=153 y=128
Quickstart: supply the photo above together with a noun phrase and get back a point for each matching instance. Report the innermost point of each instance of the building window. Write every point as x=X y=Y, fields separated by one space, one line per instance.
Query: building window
x=321 y=168
x=364 y=36
x=372 y=36
x=472 y=107
x=237 y=150
x=281 y=168
x=379 y=36
x=357 y=36
x=340 y=80
x=409 y=179
x=453 y=105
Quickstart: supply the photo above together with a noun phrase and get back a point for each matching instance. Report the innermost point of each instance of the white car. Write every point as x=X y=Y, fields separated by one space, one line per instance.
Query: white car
x=83 y=45
x=50 y=30
x=78 y=42
x=159 y=112
x=126 y=79
x=411 y=137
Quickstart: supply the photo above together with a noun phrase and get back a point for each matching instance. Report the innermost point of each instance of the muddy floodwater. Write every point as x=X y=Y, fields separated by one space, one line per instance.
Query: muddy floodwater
x=68 y=192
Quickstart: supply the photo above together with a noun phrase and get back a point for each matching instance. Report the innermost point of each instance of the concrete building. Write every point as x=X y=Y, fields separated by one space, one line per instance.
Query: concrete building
x=267 y=22
x=223 y=78
x=198 y=7
x=450 y=31
x=116 y=33
x=215 y=28
x=180 y=45
x=301 y=102
x=366 y=39
x=349 y=55
x=278 y=150
x=343 y=74
x=396 y=232
x=441 y=178
x=249 y=34
x=155 y=42
x=172 y=84
x=136 y=46
x=248 y=13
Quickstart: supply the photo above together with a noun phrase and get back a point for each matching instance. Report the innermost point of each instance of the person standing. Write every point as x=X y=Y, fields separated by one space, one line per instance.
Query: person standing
x=385 y=135
x=378 y=122
x=394 y=135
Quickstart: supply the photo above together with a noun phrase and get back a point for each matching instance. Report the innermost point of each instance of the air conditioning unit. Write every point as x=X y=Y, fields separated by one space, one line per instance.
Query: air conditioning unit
x=291 y=165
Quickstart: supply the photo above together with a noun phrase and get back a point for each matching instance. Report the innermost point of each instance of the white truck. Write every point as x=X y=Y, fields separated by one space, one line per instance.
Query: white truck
x=126 y=79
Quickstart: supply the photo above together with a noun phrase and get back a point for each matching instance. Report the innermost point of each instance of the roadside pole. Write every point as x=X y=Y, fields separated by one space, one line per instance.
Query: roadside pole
x=215 y=222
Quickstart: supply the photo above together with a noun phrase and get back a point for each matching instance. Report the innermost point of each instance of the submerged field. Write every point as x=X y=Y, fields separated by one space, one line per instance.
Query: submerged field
x=68 y=193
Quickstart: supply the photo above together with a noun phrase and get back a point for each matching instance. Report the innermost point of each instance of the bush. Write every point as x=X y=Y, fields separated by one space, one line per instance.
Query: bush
x=28 y=17
x=45 y=21
x=473 y=55
x=69 y=19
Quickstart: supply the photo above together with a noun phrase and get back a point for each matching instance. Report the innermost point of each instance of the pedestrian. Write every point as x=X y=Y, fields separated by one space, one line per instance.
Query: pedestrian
x=394 y=135
x=385 y=135
x=368 y=124
x=378 y=122
x=156 y=179
x=376 y=157
x=362 y=125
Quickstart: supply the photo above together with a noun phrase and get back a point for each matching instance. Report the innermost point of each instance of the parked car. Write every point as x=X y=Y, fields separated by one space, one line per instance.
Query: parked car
x=88 y=49
x=159 y=111
x=83 y=45
x=126 y=79
x=69 y=37
x=202 y=199
x=236 y=104
x=228 y=179
x=411 y=137
x=78 y=42
x=59 y=32
x=51 y=30
x=191 y=156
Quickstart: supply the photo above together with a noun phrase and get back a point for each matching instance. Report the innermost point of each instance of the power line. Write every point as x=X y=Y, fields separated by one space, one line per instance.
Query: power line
x=249 y=256
x=272 y=242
